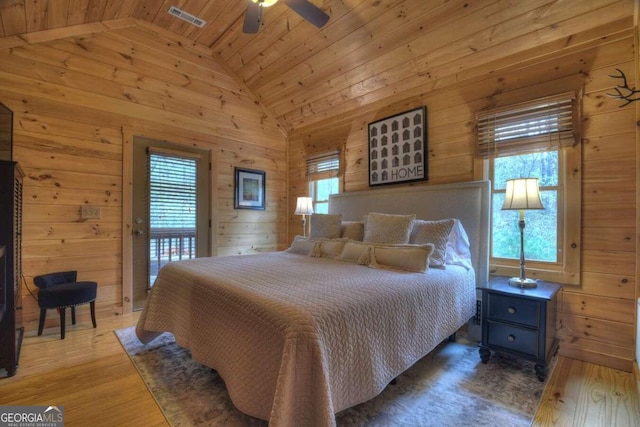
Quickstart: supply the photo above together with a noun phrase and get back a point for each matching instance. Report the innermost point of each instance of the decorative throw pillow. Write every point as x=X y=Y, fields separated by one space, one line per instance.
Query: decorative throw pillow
x=385 y=228
x=328 y=248
x=357 y=252
x=325 y=225
x=301 y=245
x=353 y=230
x=436 y=232
x=413 y=258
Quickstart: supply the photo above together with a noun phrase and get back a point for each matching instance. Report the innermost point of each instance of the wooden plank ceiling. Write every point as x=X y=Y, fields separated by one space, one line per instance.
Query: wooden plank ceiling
x=372 y=52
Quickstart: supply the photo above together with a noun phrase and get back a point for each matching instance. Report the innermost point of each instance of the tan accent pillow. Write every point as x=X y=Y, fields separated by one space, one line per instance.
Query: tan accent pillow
x=326 y=226
x=355 y=252
x=386 y=228
x=301 y=245
x=436 y=232
x=328 y=248
x=353 y=230
x=413 y=258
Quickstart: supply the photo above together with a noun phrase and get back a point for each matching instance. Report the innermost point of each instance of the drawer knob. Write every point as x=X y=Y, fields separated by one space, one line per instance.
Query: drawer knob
x=511 y=310
x=511 y=338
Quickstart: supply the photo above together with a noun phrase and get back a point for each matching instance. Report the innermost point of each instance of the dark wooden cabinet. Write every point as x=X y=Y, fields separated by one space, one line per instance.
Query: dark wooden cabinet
x=11 y=329
x=520 y=321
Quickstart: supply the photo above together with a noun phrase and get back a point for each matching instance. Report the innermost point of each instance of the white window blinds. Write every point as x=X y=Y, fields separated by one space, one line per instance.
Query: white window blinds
x=172 y=191
x=537 y=125
x=322 y=166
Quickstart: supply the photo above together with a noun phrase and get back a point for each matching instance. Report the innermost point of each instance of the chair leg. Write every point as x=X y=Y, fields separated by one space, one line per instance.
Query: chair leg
x=92 y=304
x=73 y=314
x=43 y=315
x=63 y=311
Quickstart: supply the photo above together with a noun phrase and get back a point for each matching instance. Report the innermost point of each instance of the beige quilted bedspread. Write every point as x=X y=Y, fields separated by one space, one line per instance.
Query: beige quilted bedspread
x=297 y=339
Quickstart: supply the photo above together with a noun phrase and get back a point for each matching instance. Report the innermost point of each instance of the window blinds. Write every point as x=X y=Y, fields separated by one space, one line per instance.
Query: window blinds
x=172 y=191
x=537 y=125
x=322 y=166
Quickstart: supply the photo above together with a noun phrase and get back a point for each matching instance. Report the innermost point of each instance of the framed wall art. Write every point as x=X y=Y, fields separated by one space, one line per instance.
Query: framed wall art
x=398 y=148
x=250 y=189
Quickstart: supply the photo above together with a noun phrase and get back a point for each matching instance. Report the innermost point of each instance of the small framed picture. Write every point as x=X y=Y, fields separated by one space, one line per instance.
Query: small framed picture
x=250 y=189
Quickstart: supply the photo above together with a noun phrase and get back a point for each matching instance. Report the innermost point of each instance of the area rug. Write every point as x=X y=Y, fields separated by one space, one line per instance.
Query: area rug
x=448 y=387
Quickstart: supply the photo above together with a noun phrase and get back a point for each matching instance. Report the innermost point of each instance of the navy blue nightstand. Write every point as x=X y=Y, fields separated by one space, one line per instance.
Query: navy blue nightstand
x=519 y=321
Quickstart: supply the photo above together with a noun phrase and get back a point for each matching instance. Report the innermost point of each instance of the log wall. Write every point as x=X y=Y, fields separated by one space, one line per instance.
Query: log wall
x=598 y=315
x=77 y=100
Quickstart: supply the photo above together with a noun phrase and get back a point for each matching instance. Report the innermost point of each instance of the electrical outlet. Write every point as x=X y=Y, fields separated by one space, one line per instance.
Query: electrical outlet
x=91 y=212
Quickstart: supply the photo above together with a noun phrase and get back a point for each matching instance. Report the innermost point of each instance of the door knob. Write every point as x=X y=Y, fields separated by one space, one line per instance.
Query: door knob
x=138 y=232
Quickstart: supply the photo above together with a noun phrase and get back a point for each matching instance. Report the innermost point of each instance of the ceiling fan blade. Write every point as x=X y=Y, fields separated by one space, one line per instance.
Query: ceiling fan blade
x=252 y=18
x=308 y=11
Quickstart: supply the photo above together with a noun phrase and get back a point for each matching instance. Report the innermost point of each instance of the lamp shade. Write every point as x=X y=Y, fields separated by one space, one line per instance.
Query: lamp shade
x=304 y=206
x=522 y=194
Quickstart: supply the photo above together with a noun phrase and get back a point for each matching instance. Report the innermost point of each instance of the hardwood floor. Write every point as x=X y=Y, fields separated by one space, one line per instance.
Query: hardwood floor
x=583 y=394
x=92 y=377
x=88 y=373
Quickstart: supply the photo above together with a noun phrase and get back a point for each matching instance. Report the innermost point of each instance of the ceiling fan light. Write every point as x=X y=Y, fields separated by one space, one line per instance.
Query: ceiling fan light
x=265 y=3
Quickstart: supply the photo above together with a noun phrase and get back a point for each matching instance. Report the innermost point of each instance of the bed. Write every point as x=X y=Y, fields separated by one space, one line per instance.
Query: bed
x=298 y=338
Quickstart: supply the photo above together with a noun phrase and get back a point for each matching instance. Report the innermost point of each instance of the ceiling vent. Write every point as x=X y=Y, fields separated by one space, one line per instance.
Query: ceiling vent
x=186 y=17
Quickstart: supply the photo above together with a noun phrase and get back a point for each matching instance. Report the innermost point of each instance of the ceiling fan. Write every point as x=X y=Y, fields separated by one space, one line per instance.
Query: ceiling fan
x=304 y=8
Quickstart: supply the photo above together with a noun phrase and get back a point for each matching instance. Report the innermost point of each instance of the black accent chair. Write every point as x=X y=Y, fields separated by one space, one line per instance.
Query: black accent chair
x=62 y=290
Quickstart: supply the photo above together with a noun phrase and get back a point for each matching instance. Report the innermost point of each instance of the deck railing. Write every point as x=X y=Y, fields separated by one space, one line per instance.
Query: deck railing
x=169 y=244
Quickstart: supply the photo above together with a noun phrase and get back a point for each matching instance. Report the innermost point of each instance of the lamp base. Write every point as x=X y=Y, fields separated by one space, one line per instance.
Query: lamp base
x=517 y=282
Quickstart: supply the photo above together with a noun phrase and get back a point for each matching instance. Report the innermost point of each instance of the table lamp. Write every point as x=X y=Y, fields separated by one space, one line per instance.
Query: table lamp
x=522 y=194
x=304 y=207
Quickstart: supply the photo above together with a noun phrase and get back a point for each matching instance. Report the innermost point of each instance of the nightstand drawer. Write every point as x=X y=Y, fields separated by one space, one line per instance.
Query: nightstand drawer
x=514 y=309
x=513 y=338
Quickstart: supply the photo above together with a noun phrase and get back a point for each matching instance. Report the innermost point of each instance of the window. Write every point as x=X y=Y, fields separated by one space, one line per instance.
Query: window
x=541 y=230
x=323 y=171
x=536 y=139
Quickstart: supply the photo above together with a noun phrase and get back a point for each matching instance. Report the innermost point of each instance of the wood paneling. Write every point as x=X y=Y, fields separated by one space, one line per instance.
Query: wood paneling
x=598 y=315
x=72 y=98
x=78 y=72
x=369 y=51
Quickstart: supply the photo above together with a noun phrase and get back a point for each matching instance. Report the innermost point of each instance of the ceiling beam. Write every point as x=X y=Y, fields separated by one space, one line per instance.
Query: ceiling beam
x=64 y=32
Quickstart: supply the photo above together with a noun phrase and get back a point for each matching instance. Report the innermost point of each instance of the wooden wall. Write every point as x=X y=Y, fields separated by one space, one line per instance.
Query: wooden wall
x=598 y=316
x=75 y=97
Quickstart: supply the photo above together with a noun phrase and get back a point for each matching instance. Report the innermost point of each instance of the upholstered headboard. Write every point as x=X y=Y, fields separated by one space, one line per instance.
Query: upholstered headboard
x=467 y=201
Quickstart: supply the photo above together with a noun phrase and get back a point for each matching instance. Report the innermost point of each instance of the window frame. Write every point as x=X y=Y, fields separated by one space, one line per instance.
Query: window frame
x=313 y=192
x=316 y=172
x=567 y=269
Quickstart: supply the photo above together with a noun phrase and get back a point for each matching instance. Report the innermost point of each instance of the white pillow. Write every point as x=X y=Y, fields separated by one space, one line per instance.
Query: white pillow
x=436 y=232
x=385 y=228
x=458 y=247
